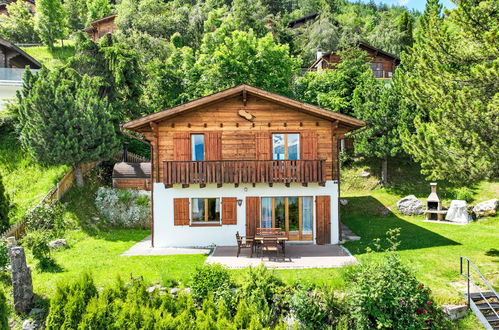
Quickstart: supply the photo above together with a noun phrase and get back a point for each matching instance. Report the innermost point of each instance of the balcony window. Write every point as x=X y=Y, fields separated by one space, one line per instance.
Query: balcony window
x=197 y=143
x=377 y=68
x=286 y=146
x=205 y=210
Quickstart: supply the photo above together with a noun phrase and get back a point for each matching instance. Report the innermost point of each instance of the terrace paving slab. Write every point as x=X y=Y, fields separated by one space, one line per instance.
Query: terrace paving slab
x=297 y=256
x=144 y=248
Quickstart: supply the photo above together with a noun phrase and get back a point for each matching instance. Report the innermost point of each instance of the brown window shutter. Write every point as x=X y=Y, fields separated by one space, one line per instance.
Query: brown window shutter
x=229 y=211
x=308 y=145
x=323 y=219
x=263 y=145
x=252 y=215
x=213 y=145
x=182 y=146
x=181 y=211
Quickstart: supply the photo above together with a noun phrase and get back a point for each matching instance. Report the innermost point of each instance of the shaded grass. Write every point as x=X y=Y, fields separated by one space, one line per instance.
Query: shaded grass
x=25 y=180
x=52 y=58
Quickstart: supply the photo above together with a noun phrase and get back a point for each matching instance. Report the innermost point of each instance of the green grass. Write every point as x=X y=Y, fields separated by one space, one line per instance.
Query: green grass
x=25 y=180
x=52 y=58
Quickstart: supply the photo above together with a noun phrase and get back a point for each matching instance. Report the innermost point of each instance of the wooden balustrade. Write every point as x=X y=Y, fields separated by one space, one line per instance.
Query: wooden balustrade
x=244 y=171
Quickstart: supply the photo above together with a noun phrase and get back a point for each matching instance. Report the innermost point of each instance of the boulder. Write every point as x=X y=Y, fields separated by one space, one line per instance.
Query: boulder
x=455 y=312
x=486 y=208
x=410 y=205
x=31 y=325
x=458 y=212
x=58 y=243
x=343 y=201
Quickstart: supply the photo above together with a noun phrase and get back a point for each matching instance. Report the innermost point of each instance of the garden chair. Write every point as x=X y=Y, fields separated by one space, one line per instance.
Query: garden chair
x=244 y=242
x=270 y=244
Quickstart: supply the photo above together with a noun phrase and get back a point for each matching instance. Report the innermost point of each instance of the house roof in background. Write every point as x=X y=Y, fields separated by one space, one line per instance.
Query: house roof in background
x=103 y=19
x=34 y=64
x=238 y=90
x=124 y=170
x=303 y=19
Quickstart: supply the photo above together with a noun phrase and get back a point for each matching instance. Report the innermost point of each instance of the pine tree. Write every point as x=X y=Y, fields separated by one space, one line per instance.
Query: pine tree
x=64 y=120
x=51 y=22
x=4 y=208
x=451 y=78
x=97 y=9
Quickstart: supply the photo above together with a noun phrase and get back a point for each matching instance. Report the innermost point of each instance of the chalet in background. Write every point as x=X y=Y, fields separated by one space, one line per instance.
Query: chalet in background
x=302 y=21
x=30 y=3
x=242 y=159
x=383 y=64
x=101 y=27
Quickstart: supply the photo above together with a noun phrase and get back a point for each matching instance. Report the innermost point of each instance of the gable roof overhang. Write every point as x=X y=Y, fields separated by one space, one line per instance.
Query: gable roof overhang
x=142 y=124
x=34 y=64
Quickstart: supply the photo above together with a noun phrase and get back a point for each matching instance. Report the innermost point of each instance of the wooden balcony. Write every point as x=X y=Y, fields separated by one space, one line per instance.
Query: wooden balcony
x=244 y=171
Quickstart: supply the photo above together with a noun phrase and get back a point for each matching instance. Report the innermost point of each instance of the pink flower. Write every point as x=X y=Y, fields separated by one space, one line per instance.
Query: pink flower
x=420 y=311
x=421 y=287
x=429 y=303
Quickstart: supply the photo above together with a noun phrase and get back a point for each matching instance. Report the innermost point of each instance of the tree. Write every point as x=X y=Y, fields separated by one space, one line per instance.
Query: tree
x=19 y=25
x=62 y=119
x=450 y=76
x=77 y=13
x=4 y=208
x=333 y=89
x=50 y=21
x=97 y=9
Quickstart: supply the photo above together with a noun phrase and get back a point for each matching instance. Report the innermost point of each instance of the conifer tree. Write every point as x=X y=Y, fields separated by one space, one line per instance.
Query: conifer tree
x=4 y=208
x=97 y=9
x=63 y=120
x=51 y=22
x=451 y=78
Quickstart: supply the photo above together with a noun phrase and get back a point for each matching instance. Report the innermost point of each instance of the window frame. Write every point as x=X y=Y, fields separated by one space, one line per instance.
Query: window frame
x=378 y=70
x=206 y=220
x=192 y=146
x=286 y=146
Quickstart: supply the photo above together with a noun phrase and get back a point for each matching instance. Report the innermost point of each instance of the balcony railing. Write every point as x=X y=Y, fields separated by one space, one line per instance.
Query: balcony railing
x=244 y=171
x=13 y=75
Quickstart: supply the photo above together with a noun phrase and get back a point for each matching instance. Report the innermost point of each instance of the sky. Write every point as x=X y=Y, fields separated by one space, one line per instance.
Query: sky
x=413 y=4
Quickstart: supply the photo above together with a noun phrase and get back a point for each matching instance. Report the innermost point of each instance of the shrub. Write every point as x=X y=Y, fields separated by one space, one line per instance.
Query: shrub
x=37 y=243
x=46 y=217
x=4 y=208
x=4 y=311
x=123 y=208
x=210 y=279
x=464 y=193
x=4 y=254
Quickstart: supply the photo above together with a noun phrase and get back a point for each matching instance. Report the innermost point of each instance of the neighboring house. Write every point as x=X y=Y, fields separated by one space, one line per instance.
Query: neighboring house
x=241 y=159
x=13 y=61
x=383 y=64
x=3 y=6
x=302 y=21
x=101 y=27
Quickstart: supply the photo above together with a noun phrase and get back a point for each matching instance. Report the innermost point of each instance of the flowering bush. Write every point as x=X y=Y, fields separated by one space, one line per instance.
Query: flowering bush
x=123 y=208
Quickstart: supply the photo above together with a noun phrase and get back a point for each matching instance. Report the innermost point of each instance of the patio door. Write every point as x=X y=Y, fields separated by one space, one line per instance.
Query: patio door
x=294 y=215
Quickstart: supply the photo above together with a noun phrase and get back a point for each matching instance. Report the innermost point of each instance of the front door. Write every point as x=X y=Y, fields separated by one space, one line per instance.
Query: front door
x=294 y=215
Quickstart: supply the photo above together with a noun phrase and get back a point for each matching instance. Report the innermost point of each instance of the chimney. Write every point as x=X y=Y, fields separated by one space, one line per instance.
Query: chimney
x=319 y=54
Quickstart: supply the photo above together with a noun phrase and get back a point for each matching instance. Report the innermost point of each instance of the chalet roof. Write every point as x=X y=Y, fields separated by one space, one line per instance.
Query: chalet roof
x=362 y=44
x=95 y=23
x=33 y=64
x=303 y=19
x=124 y=170
x=239 y=89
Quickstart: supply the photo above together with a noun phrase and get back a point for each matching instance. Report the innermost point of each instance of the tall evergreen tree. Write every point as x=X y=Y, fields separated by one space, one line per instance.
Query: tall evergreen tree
x=4 y=208
x=51 y=21
x=451 y=77
x=77 y=13
x=98 y=9
x=62 y=119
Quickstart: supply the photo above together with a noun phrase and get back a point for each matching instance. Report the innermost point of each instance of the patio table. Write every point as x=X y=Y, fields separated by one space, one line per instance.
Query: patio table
x=281 y=240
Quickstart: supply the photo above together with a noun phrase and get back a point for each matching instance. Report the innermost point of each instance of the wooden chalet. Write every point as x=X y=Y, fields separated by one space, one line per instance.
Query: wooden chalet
x=101 y=27
x=12 y=56
x=383 y=64
x=242 y=159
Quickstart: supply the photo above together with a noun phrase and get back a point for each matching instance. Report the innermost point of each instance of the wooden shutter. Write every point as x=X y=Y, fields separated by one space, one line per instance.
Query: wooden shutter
x=323 y=219
x=181 y=211
x=308 y=145
x=182 y=146
x=263 y=145
x=252 y=215
x=213 y=145
x=229 y=211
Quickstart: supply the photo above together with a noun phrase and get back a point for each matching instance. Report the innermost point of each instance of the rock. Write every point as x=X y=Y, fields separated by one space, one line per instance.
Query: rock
x=365 y=174
x=455 y=312
x=174 y=291
x=22 y=285
x=58 y=243
x=343 y=201
x=458 y=212
x=410 y=205
x=95 y=218
x=155 y=287
x=30 y=325
x=187 y=290
x=486 y=208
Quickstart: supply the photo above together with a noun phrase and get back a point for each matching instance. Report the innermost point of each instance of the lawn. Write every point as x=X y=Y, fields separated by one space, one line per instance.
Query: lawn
x=25 y=180
x=52 y=58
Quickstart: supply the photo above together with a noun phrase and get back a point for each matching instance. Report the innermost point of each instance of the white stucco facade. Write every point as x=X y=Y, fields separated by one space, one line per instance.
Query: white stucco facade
x=168 y=235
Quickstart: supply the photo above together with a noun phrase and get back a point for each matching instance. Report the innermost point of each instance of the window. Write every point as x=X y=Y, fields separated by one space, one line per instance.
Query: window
x=205 y=210
x=197 y=143
x=286 y=146
x=377 y=68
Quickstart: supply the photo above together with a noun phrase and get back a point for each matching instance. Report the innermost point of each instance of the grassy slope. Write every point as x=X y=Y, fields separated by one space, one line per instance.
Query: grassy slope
x=52 y=57
x=25 y=180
